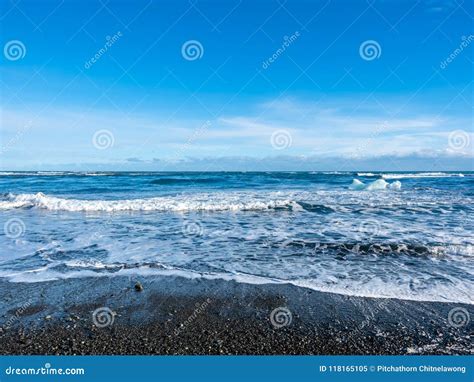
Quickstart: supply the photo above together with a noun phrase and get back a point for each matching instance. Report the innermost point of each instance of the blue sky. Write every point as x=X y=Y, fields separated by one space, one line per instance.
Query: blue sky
x=247 y=100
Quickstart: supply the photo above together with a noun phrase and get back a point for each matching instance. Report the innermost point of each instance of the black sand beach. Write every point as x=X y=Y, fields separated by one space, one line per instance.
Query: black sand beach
x=174 y=315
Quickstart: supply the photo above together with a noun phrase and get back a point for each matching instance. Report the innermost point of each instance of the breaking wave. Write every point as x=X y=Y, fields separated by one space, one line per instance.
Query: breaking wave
x=412 y=175
x=175 y=203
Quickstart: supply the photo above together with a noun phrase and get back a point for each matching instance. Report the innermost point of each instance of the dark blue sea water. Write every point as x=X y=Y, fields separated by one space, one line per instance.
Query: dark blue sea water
x=405 y=235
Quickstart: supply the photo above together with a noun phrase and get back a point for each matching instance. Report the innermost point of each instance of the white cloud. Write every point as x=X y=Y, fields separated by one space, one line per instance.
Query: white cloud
x=323 y=128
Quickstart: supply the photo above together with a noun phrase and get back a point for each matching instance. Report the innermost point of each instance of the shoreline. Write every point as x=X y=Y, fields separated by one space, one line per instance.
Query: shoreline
x=176 y=315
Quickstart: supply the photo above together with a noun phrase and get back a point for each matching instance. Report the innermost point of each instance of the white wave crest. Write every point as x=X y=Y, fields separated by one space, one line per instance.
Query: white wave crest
x=376 y=185
x=412 y=175
x=422 y=175
x=366 y=174
x=177 y=203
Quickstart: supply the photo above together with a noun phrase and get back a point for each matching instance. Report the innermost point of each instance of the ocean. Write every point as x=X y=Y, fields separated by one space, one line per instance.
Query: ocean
x=400 y=235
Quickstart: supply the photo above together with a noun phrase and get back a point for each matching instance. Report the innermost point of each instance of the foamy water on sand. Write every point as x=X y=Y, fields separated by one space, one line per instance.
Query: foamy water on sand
x=402 y=235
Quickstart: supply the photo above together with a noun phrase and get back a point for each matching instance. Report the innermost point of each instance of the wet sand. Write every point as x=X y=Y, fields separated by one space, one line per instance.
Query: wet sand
x=175 y=315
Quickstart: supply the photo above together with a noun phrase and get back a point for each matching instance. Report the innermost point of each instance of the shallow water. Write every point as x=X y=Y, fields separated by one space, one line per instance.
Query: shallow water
x=411 y=240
